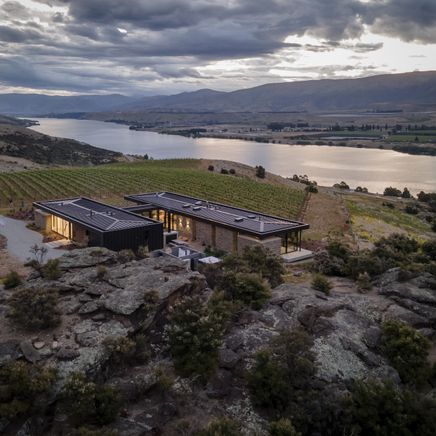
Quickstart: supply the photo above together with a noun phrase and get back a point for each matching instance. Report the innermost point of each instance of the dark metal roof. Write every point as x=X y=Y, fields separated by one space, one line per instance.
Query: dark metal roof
x=94 y=214
x=240 y=219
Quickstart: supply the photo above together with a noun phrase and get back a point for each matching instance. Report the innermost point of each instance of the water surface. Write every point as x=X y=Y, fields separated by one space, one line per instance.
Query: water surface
x=372 y=168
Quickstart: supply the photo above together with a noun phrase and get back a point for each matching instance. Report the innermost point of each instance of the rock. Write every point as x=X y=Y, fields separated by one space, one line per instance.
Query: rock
x=89 y=333
x=372 y=337
x=84 y=298
x=396 y=312
x=87 y=257
x=9 y=350
x=29 y=352
x=219 y=386
x=69 y=305
x=39 y=344
x=67 y=354
x=89 y=307
x=55 y=345
x=228 y=358
x=99 y=317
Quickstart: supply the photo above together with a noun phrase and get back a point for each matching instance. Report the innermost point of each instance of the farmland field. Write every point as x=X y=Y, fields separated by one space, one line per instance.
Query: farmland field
x=111 y=182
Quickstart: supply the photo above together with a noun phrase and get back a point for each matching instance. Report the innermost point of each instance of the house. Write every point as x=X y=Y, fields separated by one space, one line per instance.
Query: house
x=91 y=223
x=217 y=225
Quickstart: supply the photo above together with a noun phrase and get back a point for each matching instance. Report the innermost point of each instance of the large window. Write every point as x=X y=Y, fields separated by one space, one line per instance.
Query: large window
x=61 y=226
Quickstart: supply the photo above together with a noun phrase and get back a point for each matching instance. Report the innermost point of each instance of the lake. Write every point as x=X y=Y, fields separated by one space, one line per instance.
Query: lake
x=372 y=168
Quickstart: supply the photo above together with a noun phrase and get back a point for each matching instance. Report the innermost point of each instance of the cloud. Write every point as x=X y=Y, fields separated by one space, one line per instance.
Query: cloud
x=164 y=43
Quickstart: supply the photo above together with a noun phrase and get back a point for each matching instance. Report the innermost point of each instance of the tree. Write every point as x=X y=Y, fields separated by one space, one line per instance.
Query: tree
x=193 y=336
x=260 y=172
x=406 y=193
x=392 y=192
x=407 y=351
x=320 y=283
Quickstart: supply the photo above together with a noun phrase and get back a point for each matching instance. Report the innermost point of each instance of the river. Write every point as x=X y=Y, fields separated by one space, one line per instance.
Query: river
x=372 y=168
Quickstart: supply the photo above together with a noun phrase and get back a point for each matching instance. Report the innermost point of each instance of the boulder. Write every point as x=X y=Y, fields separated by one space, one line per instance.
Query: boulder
x=29 y=352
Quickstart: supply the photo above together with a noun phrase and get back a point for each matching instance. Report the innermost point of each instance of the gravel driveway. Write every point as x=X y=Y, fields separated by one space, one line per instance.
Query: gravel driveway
x=20 y=239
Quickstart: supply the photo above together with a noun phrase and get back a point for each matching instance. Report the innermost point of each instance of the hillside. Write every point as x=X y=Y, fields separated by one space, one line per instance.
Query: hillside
x=20 y=142
x=40 y=104
x=393 y=91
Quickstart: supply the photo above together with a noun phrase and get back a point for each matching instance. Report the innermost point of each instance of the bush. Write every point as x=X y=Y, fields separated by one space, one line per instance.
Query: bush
x=221 y=427
x=406 y=193
x=51 y=270
x=211 y=168
x=282 y=373
x=20 y=384
x=193 y=336
x=224 y=171
x=90 y=403
x=407 y=351
x=429 y=248
x=232 y=171
x=411 y=210
x=282 y=427
x=311 y=188
x=100 y=272
x=34 y=308
x=392 y=192
x=364 y=282
x=260 y=172
x=320 y=283
x=12 y=280
x=377 y=408
x=119 y=350
x=247 y=288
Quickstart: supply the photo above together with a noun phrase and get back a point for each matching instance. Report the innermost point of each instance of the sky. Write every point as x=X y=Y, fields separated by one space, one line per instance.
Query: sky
x=149 y=47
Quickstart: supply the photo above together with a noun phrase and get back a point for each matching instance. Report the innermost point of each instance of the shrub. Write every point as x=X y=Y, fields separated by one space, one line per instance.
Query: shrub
x=429 y=248
x=211 y=168
x=411 y=210
x=12 y=280
x=247 y=288
x=261 y=260
x=380 y=409
x=311 y=188
x=407 y=351
x=282 y=427
x=91 y=431
x=283 y=370
x=232 y=171
x=20 y=384
x=320 y=283
x=100 y=272
x=341 y=185
x=364 y=282
x=90 y=403
x=126 y=255
x=221 y=427
x=119 y=350
x=51 y=270
x=34 y=308
x=212 y=272
x=406 y=193
x=392 y=192
x=193 y=336
x=224 y=171
x=260 y=172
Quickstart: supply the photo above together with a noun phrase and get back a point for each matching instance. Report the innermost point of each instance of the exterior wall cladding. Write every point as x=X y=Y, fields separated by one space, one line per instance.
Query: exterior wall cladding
x=229 y=240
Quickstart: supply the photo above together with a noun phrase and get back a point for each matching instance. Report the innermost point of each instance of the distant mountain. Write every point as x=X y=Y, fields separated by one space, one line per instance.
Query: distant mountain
x=390 y=91
x=40 y=104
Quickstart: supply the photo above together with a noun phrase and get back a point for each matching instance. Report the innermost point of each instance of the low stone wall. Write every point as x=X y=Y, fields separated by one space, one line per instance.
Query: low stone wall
x=224 y=239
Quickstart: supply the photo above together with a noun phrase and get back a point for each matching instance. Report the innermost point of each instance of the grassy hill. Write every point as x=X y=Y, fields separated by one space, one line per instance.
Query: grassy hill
x=111 y=182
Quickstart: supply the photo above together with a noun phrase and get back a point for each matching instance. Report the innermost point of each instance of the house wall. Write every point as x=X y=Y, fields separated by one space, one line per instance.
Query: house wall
x=272 y=243
x=79 y=235
x=225 y=239
x=204 y=233
x=42 y=220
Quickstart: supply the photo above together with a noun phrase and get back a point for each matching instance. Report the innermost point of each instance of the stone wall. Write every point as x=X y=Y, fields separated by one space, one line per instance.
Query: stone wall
x=273 y=243
x=79 y=235
x=224 y=239
x=43 y=220
x=203 y=233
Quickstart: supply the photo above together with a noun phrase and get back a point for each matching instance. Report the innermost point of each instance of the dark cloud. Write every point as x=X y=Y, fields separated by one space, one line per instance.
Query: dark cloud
x=142 y=40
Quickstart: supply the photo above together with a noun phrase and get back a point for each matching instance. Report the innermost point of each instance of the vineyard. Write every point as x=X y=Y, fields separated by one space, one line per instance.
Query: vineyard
x=110 y=182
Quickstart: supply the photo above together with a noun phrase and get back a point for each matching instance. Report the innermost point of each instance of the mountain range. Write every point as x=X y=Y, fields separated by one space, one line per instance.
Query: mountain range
x=411 y=91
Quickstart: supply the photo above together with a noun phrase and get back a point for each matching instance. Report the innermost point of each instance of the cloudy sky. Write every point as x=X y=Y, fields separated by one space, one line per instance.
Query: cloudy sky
x=146 y=47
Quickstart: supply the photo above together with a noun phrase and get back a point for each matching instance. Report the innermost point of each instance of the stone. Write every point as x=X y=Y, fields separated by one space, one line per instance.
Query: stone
x=99 y=317
x=89 y=307
x=39 y=344
x=10 y=350
x=29 y=351
x=67 y=354
x=220 y=384
x=227 y=358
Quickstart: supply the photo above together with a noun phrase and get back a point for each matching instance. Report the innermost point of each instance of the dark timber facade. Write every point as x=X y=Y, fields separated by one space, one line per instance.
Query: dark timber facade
x=220 y=226
x=91 y=223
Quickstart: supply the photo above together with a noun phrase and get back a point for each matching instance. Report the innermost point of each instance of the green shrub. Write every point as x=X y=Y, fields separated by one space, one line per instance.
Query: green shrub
x=119 y=350
x=92 y=431
x=364 y=282
x=283 y=372
x=429 y=248
x=407 y=351
x=12 y=280
x=260 y=171
x=88 y=402
x=20 y=384
x=221 y=427
x=100 y=272
x=51 y=270
x=193 y=336
x=282 y=427
x=380 y=409
x=34 y=308
x=247 y=288
x=320 y=283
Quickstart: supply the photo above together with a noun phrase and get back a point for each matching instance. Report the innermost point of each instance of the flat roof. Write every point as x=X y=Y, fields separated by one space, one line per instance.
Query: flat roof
x=94 y=214
x=241 y=219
